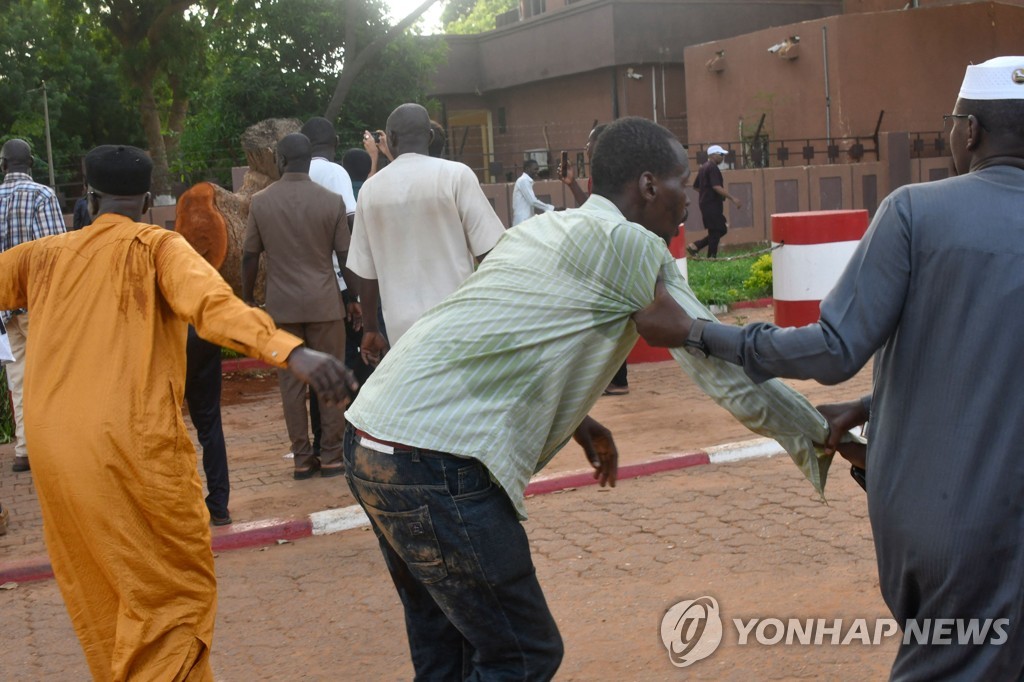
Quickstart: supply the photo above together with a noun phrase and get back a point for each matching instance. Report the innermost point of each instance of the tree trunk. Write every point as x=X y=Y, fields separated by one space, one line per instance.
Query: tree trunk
x=175 y=121
x=154 y=138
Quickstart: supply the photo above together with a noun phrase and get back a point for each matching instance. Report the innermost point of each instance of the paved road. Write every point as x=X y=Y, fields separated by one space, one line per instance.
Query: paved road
x=751 y=534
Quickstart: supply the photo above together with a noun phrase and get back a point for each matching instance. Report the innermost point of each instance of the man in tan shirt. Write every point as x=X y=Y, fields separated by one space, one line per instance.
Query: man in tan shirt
x=299 y=224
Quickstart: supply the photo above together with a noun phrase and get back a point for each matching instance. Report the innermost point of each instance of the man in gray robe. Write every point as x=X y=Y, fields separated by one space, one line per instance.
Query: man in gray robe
x=935 y=291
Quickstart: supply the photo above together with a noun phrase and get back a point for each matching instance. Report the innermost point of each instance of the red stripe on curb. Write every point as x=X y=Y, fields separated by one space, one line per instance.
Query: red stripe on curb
x=260 y=533
x=255 y=534
x=583 y=478
x=36 y=568
x=267 y=532
x=757 y=303
x=242 y=365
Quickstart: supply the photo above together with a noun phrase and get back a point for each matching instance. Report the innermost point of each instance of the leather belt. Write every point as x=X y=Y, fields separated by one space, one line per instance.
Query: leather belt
x=385 y=446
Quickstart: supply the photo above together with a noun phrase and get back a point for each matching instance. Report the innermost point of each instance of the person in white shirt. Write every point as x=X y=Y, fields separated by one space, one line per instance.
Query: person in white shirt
x=322 y=169
x=523 y=198
x=422 y=224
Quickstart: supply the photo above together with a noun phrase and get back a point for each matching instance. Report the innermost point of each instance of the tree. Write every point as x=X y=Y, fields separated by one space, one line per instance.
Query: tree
x=277 y=58
x=358 y=57
x=480 y=18
x=85 y=92
x=160 y=46
x=262 y=55
x=455 y=10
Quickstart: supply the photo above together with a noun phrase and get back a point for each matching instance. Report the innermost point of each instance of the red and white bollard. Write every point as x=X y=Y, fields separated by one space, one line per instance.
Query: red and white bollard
x=817 y=245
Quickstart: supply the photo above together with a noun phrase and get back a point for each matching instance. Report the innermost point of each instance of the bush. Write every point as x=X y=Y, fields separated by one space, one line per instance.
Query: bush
x=759 y=283
x=723 y=281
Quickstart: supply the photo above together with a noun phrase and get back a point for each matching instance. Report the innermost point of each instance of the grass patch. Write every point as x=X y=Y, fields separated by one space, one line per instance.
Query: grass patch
x=725 y=281
x=6 y=412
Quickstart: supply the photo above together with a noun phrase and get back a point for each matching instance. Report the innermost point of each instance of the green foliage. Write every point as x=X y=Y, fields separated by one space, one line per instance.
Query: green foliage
x=282 y=59
x=229 y=63
x=455 y=10
x=481 y=17
x=759 y=284
x=6 y=413
x=86 y=95
x=725 y=281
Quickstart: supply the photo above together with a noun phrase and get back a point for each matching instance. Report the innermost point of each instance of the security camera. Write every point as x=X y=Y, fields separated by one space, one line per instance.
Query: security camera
x=788 y=42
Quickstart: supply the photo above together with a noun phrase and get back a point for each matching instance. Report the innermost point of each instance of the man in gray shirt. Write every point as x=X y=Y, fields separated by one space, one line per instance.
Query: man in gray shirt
x=933 y=292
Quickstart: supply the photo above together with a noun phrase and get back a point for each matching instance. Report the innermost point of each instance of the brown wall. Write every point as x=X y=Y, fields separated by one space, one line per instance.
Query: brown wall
x=596 y=34
x=908 y=63
x=581 y=100
x=853 y=6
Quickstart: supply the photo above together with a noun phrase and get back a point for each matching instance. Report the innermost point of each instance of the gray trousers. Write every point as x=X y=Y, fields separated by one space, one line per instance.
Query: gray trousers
x=327 y=337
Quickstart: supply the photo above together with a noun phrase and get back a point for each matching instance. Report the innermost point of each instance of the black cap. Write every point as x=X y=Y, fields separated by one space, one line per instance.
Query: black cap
x=119 y=170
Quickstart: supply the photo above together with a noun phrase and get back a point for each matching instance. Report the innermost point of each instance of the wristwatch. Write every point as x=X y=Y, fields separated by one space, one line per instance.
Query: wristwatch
x=694 y=343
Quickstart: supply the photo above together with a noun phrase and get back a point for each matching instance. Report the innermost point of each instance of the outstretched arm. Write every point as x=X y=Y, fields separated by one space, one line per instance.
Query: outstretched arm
x=531 y=196
x=663 y=323
x=333 y=382
x=842 y=417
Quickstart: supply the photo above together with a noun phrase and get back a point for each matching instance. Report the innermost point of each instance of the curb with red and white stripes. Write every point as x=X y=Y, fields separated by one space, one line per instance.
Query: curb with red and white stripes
x=270 y=531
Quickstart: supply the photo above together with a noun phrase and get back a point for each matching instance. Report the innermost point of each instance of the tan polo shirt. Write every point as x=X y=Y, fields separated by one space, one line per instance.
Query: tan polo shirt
x=299 y=224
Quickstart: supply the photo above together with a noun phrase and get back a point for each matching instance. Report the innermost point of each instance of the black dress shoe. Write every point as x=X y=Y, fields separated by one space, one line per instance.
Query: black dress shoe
x=220 y=520
x=332 y=471
x=308 y=472
x=20 y=464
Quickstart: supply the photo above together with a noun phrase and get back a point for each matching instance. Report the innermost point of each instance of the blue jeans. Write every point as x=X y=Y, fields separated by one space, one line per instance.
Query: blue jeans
x=460 y=560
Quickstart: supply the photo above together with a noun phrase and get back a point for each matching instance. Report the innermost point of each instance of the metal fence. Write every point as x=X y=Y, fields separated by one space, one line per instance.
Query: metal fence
x=759 y=152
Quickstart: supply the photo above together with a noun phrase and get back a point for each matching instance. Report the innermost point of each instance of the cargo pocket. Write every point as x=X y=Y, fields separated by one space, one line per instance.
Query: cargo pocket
x=411 y=535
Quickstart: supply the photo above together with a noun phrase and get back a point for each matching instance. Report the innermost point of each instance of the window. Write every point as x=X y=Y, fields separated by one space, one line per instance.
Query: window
x=532 y=8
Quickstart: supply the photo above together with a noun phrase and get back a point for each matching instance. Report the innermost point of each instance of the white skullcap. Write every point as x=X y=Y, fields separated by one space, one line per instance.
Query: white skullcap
x=999 y=78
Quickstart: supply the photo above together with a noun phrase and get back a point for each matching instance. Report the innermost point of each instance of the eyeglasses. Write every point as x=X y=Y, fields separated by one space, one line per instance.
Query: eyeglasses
x=947 y=117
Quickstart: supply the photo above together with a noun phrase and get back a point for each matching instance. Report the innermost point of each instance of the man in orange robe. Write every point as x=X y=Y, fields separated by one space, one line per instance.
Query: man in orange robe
x=113 y=464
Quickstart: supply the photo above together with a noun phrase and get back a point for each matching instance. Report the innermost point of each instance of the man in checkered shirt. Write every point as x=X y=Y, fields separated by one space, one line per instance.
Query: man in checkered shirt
x=28 y=211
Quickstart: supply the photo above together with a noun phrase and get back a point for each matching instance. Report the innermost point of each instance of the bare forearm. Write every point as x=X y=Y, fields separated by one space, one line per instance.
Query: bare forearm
x=369 y=297
x=721 y=191
x=663 y=323
x=353 y=282
x=250 y=267
x=578 y=194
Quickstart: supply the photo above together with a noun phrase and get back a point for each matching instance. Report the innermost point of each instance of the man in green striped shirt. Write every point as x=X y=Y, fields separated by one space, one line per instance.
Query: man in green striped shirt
x=488 y=385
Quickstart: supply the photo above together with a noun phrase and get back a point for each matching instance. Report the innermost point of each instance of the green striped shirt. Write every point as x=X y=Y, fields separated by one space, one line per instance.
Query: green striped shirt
x=507 y=367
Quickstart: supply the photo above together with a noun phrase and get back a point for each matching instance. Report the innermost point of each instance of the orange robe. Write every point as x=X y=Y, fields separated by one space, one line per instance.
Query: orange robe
x=113 y=464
